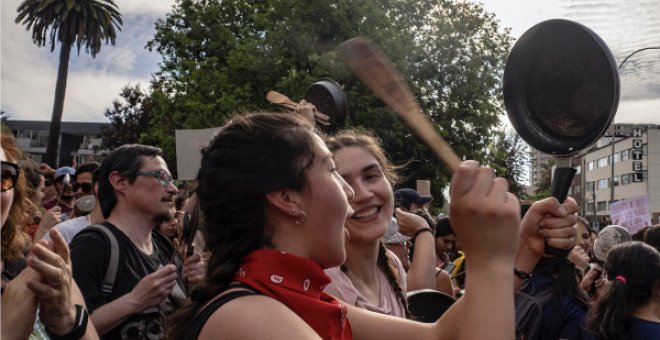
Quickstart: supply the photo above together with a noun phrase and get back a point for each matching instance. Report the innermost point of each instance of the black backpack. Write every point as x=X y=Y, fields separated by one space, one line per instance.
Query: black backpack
x=529 y=311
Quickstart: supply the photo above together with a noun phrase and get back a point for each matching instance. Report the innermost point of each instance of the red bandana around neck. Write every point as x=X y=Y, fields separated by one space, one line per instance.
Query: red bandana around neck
x=298 y=283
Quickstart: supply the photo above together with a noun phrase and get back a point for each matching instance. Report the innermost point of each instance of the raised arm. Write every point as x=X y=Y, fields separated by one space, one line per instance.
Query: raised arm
x=546 y=220
x=421 y=273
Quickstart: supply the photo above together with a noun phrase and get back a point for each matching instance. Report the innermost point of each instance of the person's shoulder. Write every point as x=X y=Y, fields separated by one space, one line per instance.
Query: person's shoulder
x=90 y=238
x=239 y=320
x=73 y=223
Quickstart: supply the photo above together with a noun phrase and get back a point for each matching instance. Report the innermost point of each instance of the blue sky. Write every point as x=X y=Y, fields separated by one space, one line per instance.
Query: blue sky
x=28 y=72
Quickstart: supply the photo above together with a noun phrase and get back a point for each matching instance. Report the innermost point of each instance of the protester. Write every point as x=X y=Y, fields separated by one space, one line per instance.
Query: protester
x=135 y=190
x=50 y=192
x=39 y=218
x=372 y=277
x=275 y=211
x=584 y=238
x=44 y=287
x=83 y=179
x=628 y=308
x=66 y=196
x=652 y=237
x=71 y=227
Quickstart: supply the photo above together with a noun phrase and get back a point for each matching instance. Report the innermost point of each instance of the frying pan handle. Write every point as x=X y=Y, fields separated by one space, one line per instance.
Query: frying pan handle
x=561 y=182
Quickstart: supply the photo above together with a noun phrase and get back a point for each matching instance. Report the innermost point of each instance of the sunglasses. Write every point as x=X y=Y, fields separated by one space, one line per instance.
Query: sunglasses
x=85 y=187
x=9 y=177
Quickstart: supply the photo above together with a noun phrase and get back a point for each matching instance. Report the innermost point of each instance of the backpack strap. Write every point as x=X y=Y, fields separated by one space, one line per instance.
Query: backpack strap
x=113 y=265
x=206 y=313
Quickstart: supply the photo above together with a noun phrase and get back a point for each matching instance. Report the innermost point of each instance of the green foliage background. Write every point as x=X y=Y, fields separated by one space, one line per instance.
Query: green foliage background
x=220 y=58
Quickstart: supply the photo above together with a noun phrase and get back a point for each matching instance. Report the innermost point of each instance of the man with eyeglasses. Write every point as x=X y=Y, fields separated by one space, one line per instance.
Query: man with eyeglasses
x=135 y=191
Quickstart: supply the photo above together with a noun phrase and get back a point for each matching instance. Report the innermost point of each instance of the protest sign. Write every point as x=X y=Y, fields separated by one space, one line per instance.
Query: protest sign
x=632 y=213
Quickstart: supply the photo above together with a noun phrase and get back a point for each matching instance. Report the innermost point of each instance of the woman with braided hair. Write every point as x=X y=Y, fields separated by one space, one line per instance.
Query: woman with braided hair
x=275 y=211
x=628 y=308
x=372 y=276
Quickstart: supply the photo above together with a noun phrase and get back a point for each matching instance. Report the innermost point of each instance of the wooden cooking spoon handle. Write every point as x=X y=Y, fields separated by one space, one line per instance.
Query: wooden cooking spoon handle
x=378 y=73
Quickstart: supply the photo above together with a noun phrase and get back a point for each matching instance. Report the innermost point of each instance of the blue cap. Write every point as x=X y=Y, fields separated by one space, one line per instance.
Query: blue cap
x=405 y=197
x=64 y=170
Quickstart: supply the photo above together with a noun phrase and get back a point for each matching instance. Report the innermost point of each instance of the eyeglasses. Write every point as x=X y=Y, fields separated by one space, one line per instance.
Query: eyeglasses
x=9 y=177
x=160 y=175
x=86 y=187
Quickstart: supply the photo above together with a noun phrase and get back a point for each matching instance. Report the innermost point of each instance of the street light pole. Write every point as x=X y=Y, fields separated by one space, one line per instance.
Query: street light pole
x=612 y=182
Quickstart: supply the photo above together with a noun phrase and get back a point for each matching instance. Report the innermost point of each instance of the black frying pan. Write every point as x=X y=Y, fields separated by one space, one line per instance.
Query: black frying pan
x=561 y=91
x=329 y=99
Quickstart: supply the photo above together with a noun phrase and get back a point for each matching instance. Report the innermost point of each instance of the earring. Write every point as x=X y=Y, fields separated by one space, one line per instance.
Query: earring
x=302 y=219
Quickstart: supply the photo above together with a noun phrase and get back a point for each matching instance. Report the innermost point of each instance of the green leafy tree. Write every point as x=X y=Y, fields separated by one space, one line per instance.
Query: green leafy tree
x=543 y=183
x=221 y=57
x=129 y=117
x=507 y=155
x=69 y=22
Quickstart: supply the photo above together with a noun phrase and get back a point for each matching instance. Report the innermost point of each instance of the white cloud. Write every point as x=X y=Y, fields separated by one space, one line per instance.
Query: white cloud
x=28 y=72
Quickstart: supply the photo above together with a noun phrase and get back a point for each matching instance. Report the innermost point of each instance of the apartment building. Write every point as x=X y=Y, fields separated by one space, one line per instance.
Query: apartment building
x=77 y=139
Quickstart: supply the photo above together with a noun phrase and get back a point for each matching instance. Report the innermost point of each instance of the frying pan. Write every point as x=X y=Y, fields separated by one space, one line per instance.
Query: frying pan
x=428 y=305
x=329 y=98
x=561 y=92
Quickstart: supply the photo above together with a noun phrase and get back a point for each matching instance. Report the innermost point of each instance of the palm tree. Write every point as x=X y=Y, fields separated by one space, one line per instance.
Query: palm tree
x=83 y=22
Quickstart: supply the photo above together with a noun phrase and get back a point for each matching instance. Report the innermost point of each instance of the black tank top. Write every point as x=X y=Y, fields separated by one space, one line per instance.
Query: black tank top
x=206 y=313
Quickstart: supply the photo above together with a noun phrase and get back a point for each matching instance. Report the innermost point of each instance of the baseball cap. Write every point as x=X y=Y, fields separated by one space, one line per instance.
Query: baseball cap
x=392 y=235
x=64 y=170
x=404 y=197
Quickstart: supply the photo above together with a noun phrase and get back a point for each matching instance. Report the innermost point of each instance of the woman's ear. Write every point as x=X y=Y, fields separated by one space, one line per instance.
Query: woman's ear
x=285 y=200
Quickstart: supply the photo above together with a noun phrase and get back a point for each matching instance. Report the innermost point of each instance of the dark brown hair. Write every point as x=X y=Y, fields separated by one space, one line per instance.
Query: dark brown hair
x=251 y=156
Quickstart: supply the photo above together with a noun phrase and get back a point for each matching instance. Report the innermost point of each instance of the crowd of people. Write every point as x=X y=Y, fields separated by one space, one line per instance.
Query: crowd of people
x=288 y=233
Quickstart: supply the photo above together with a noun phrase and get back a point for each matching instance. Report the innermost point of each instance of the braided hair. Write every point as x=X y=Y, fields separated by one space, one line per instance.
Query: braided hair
x=365 y=139
x=633 y=269
x=250 y=156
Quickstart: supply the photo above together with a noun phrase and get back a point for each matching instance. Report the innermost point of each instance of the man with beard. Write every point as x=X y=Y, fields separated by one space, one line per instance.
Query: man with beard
x=135 y=191
x=66 y=196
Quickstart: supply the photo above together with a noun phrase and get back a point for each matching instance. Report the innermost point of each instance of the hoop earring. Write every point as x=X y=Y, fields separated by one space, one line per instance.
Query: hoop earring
x=302 y=219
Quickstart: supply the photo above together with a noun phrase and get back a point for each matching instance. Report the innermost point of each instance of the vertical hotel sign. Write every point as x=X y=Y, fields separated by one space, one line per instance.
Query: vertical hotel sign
x=637 y=154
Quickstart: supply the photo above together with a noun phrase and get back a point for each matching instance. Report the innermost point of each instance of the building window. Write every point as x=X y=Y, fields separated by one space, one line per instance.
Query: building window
x=625 y=154
x=602 y=162
x=625 y=179
x=601 y=184
x=578 y=169
x=616 y=182
x=590 y=166
x=590 y=186
x=602 y=205
x=616 y=158
x=590 y=206
x=577 y=189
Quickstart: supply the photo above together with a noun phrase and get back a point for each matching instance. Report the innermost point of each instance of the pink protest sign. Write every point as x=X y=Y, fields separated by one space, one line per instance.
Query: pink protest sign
x=632 y=213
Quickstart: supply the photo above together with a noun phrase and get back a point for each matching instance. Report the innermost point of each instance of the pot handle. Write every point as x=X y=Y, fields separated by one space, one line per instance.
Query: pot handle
x=561 y=182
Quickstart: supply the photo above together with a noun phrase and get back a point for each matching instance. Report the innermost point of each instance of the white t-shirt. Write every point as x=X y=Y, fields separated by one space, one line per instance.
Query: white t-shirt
x=70 y=228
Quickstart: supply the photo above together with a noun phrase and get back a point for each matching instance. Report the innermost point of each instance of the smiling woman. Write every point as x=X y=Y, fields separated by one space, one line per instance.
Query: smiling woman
x=373 y=277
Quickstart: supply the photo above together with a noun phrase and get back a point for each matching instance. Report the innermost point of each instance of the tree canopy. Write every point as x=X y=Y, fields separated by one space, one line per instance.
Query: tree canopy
x=220 y=57
x=130 y=117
